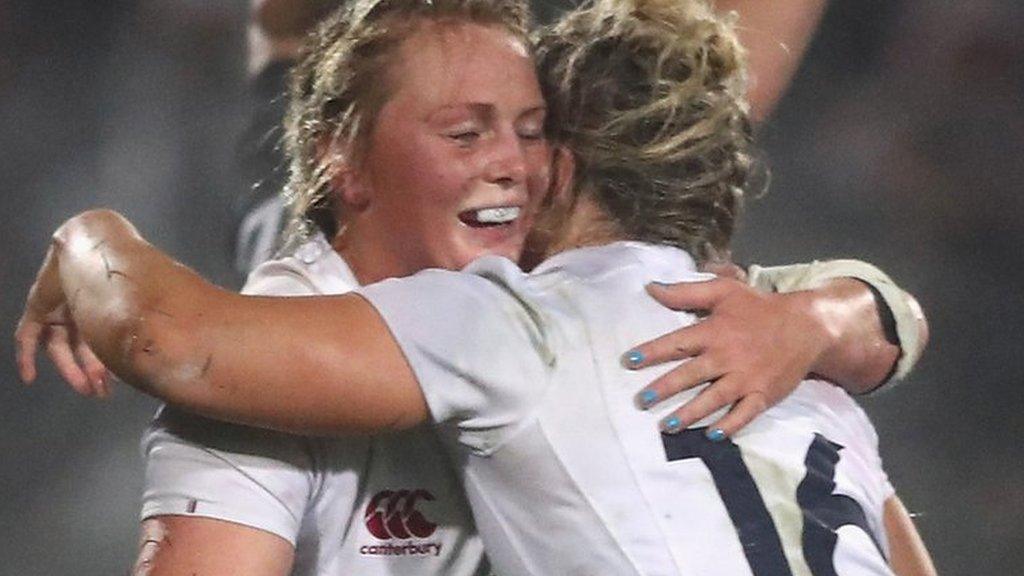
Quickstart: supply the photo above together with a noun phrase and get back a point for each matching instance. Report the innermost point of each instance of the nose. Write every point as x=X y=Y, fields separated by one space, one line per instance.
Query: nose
x=506 y=165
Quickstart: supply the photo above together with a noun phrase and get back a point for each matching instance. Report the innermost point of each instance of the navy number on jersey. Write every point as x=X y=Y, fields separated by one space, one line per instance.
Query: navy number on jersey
x=823 y=511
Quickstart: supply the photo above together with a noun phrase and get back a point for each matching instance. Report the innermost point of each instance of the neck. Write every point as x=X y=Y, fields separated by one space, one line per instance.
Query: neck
x=585 y=224
x=367 y=257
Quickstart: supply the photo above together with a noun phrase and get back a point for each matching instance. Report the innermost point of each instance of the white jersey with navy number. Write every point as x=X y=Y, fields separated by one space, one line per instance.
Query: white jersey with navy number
x=368 y=506
x=566 y=476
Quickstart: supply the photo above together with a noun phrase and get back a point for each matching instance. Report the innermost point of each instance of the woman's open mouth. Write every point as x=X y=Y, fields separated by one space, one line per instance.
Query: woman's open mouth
x=490 y=217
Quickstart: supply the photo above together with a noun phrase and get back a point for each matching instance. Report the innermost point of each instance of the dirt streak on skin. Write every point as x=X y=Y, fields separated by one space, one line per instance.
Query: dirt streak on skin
x=110 y=271
x=206 y=365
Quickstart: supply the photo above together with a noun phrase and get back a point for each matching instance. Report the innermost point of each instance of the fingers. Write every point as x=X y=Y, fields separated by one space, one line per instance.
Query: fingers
x=95 y=371
x=747 y=402
x=743 y=348
x=76 y=363
x=26 y=338
x=58 y=348
x=742 y=413
x=691 y=295
x=711 y=399
x=686 y=376
x=677 y=345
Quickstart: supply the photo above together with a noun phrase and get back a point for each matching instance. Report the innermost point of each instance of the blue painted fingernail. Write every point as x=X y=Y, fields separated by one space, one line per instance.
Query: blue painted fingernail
x=647 y=397
x=672 y=424
x=634 y=357
x=715 y=434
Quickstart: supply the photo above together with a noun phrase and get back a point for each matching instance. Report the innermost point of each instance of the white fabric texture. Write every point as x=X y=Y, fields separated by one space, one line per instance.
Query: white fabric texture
x=320 y=494
x=565 y=475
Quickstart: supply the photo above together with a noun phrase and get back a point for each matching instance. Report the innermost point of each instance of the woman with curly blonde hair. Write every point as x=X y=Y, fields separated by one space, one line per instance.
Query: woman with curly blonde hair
x=518 y=372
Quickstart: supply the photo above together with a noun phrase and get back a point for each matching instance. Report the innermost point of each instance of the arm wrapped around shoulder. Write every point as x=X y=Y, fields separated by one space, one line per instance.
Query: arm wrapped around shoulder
x=907 y=318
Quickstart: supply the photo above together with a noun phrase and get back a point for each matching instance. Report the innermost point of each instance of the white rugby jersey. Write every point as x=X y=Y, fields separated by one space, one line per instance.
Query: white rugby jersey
x=566 y=476
x=369 y=506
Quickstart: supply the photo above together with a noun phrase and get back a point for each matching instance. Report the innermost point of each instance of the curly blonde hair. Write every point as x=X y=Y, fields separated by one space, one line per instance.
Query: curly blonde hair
x=341 y=83
x=649 y=96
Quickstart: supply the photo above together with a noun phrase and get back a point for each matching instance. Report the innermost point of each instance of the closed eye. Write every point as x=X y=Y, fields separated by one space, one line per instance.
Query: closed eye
x=530 y=125
x=532 y=135
x=465 y=137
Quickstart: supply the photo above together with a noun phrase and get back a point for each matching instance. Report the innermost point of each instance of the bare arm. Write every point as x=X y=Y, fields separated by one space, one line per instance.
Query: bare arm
x=862 y=356
x=907 y=553
x=172 y=545
x=776 y=34
x=304 y=365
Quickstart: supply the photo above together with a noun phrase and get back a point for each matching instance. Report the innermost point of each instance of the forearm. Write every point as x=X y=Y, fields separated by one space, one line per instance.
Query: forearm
x=301 y=365
x=859 y=357
x=123 y=294
x=776 y=35
x=908 y=555
x=835 y=294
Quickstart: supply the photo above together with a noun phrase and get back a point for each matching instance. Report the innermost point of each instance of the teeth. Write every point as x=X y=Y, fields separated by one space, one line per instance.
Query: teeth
x=501 y=215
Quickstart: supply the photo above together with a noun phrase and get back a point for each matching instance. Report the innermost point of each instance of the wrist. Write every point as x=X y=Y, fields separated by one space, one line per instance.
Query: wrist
x=812 y=311
x=857 y=355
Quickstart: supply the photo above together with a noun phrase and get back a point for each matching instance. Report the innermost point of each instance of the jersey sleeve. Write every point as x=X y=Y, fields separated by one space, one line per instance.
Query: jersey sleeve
x=205 y=468
x=196 y=466
x=864 y=439
x=279 y=278
x=477 y=346
x=868 y=436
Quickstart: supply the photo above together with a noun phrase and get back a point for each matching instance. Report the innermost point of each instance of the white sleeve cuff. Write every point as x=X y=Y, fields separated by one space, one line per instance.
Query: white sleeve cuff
x=809 y=276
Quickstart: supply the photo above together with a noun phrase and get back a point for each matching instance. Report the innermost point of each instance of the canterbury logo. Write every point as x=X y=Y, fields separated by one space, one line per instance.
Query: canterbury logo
x=393 y=514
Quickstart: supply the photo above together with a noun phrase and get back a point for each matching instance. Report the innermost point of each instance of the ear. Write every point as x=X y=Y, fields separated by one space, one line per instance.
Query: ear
x=346 y=184
x=563 y=171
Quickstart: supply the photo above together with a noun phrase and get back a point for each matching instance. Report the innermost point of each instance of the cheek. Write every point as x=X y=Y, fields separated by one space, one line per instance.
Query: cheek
x=419 y=178
x=405 y=168
x=538 y=177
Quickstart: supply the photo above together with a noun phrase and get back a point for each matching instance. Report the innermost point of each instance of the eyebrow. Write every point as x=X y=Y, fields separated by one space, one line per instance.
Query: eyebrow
x=482 y=108
x=538 y=108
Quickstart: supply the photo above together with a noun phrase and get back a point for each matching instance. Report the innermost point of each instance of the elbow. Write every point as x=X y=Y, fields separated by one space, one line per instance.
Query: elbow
x=887 y=361
x=94 y=218
x=86 y=231
x=877 y=369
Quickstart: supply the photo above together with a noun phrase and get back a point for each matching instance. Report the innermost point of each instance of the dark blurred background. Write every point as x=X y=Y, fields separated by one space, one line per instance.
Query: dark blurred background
x=901 y=141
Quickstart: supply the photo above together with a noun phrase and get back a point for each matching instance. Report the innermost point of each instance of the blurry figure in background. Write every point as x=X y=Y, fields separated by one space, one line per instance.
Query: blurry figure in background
x=277 y=30
x=718 y=231
x=776 y=35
